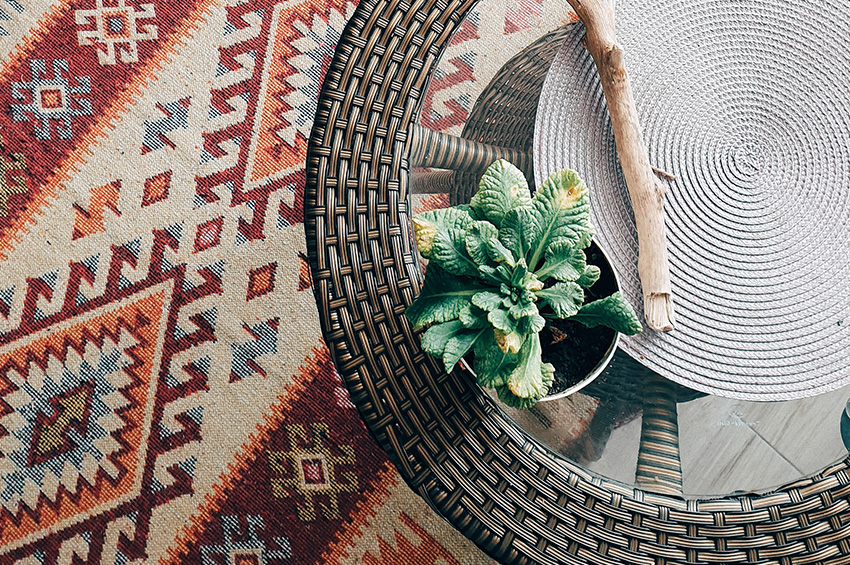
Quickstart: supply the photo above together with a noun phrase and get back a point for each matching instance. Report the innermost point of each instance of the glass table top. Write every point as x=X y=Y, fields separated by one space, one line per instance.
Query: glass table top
x=727 y=446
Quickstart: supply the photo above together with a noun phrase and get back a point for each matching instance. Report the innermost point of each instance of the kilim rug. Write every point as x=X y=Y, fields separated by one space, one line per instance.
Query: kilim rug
x=165 y=396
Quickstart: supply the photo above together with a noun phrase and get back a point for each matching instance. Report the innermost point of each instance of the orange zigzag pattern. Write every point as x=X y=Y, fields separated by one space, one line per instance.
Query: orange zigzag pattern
x=427 y=552
x=90 y=221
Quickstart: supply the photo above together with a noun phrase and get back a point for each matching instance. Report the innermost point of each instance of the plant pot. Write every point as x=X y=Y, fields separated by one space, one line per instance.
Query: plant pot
x=582 y=353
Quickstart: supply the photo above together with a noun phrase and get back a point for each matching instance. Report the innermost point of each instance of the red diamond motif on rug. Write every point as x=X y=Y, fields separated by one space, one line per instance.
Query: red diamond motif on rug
x=261 y=280
x=156 y=189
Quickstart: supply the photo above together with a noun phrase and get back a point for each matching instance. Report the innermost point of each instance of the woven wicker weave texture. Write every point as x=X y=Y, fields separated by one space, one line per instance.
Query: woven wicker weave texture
x=746 y=102
x=515 y=498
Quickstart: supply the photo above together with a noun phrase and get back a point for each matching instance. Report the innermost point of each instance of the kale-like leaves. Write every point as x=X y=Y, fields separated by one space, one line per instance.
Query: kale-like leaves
x=565 y=299
x=441 y=238
x=563 y=208
x=442 y=299
x=485 y=287
x=503 y=188
x=613 y=312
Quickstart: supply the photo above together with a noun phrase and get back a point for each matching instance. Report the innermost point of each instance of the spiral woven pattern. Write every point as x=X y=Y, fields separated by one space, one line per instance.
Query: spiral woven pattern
x=747 y=103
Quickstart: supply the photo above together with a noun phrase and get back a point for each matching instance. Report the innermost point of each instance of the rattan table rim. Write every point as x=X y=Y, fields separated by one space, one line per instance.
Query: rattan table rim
x=515 y=498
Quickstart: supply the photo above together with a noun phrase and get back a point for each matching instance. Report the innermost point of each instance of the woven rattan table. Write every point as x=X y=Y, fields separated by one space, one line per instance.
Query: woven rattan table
x=517 y=499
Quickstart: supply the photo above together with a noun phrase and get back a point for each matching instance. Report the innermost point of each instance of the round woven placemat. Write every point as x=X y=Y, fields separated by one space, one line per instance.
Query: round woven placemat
x=747 y=103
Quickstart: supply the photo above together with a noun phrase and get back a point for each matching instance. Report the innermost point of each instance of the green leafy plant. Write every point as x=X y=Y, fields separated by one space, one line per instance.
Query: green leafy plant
x=498 y=268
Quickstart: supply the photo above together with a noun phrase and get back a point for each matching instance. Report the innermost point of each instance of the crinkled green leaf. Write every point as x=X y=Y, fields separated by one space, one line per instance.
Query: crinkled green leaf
x=527 y=379
x=473 y=317
x=531 y=324
x=564 y=261
x=478 y=237
x=459 y=345
x=519 y=273
x=468 y=209
x=514 y=401
x=502 y=188
x=441 y=238
x=442 y=298
x=487 y=300
x=492 y=365
x=504 y=272
x=499 y=253
x=519 y=230
x=613 y=312
x=565 y=299
x=449 y=253
x=589 y=277
x=501 y=320
x=521 y=310
x=436 y=337
x=563 y=209
x=427 y=224
x=490 y=274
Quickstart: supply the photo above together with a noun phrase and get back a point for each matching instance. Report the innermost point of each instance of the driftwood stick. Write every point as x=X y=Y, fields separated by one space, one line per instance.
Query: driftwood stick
x=646 y=191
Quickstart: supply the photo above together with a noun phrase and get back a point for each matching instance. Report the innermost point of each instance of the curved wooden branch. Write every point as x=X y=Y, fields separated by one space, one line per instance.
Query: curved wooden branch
x=646 y=191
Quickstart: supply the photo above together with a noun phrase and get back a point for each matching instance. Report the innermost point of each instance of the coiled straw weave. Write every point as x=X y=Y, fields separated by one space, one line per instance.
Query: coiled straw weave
x=747 y=104
x=512 y=496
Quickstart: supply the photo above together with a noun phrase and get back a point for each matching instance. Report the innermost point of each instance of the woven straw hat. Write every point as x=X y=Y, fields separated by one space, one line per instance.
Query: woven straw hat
x=747 y=103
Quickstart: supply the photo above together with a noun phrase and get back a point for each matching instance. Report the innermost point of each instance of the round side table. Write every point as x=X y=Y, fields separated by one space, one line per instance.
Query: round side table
x=510 y=494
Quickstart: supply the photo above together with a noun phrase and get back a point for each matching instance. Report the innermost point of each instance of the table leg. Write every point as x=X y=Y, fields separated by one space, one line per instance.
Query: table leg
x=442 y=151
x=432 y=182
x=659 y=468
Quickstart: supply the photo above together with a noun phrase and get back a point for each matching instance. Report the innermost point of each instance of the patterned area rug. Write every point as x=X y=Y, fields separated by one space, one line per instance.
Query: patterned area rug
x=165 y=396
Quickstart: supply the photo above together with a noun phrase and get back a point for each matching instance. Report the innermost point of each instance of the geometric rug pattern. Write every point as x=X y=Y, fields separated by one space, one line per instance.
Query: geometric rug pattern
x=165 y=395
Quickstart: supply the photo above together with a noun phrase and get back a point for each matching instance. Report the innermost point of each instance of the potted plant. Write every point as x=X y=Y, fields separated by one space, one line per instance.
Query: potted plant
x=502 y=266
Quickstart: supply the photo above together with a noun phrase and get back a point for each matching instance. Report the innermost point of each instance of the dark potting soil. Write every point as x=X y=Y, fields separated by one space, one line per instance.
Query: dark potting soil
x=574 y=349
